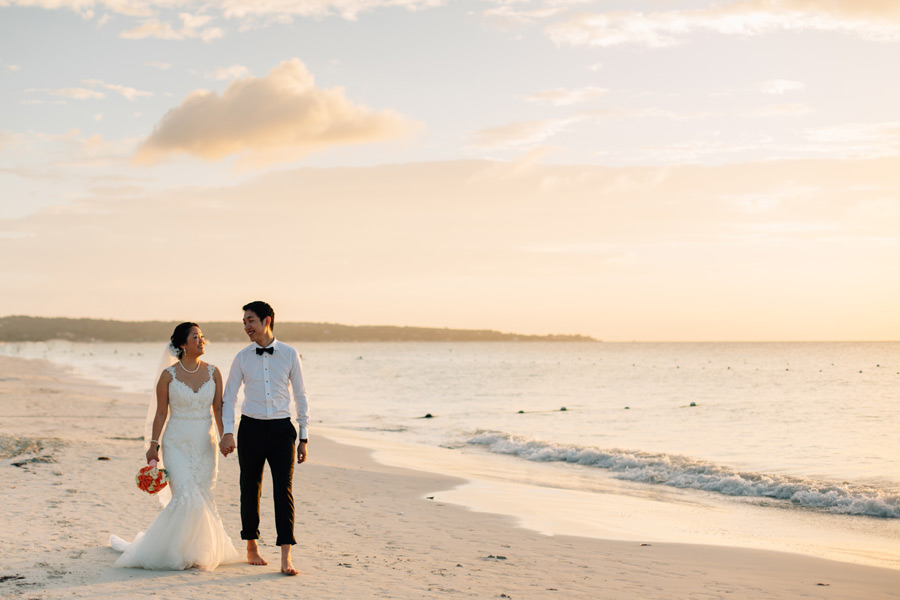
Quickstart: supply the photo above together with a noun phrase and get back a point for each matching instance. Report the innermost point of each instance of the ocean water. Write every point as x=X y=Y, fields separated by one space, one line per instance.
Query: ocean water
x=803 y=432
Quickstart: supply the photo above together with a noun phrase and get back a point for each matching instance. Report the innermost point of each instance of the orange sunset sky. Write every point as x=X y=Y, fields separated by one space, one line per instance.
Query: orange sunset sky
x=629 y=170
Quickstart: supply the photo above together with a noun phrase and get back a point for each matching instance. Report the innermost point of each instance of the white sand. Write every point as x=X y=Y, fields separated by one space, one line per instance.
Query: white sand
x=365 y=530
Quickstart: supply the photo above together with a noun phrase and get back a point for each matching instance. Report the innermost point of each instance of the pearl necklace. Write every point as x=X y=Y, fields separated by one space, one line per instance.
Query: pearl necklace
x=186 y=369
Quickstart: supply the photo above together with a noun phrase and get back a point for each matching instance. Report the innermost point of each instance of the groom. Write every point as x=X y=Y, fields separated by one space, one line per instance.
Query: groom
x=270 y=372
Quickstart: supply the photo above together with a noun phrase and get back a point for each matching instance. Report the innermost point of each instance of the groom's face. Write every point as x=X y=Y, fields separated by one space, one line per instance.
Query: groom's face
x=253 y=327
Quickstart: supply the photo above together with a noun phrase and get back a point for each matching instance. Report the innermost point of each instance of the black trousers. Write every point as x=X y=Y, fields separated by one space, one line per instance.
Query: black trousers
x=258 y=442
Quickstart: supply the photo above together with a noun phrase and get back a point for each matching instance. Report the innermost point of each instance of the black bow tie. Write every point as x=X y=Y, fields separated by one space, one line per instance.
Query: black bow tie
x=260 y=351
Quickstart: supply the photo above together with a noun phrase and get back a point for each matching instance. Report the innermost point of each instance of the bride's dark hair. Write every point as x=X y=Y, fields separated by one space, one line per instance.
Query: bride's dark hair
x=180 y=335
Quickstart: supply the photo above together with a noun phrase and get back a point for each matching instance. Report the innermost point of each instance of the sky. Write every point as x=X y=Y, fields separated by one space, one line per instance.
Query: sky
x=650 y=170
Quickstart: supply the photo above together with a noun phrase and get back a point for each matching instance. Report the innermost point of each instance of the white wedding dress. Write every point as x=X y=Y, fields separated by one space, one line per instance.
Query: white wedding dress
x=188 y=532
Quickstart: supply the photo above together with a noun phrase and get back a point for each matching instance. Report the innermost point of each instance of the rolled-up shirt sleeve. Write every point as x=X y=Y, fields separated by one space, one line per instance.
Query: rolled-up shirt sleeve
x=229 y=397
x=300 y=398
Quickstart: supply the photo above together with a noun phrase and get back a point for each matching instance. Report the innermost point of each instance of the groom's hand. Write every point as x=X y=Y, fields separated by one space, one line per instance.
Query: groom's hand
x=301 y=452
x=226 y=445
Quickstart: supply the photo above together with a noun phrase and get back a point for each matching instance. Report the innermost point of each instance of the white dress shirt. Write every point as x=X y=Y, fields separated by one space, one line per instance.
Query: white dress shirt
x=268 y=379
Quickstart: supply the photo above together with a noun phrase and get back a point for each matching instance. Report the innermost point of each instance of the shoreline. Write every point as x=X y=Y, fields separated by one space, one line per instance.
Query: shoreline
x=540 y=498
x=365 y=529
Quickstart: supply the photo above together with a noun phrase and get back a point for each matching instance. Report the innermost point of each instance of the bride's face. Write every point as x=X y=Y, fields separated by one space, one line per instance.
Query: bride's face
x=196 y=343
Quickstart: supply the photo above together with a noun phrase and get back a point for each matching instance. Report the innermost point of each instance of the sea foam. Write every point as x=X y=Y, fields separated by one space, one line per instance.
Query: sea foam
x=685 y=472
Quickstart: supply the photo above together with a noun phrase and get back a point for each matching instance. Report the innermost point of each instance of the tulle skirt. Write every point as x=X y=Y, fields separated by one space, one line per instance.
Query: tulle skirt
x=188 y=532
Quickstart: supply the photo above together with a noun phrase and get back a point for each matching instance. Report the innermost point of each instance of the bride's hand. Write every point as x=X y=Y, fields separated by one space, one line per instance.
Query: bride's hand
x=226 y=445
x=152 y=454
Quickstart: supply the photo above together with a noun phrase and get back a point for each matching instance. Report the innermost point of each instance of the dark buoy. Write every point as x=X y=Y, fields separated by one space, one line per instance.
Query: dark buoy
x=521 y=412
x=693 y=404
x=428 y=416
x=627 y=408
x=563 y=408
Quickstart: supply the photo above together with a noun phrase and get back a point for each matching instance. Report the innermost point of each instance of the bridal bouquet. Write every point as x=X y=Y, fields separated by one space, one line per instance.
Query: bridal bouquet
x=150 y=479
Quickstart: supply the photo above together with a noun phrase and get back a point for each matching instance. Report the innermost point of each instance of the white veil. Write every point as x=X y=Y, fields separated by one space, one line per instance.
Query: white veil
x=167 y=359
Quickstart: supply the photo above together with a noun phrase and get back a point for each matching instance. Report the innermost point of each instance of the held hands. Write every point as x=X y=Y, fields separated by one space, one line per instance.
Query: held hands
x=227 y=445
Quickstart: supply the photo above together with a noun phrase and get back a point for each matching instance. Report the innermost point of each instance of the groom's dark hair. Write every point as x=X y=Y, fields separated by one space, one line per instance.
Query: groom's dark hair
x=262 y=310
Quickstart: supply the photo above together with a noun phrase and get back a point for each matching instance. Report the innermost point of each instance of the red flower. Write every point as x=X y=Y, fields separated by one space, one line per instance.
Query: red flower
x=151 y=479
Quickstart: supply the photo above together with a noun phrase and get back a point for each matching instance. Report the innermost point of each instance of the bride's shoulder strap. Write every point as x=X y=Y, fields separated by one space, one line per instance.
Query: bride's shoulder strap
x=211 y=369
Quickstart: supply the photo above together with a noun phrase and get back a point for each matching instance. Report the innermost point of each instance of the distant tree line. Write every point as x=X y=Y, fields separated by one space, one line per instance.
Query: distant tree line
x=38 y=329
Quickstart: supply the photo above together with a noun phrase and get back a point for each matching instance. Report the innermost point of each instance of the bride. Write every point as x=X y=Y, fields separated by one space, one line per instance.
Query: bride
x=188 y=532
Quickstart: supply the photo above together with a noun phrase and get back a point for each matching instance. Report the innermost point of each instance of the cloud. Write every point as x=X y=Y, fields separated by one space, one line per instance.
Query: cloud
x=347 y=9
x=277 y=118
x=191 y=25
x=508 y=15
x=777 y=87
x=128 y=92
x=857 y=132
x=769 y=200
x=857 y=140
x=85 y=8
x=78 y=93
x=242 y=10
x=232 y=72
x=88 y=93
x=793 y=109
x=71 y=149
x=877 y=20
x=521 y=134
x=192 y=22
x=74 y=93
x=566 y=97
x=212 y=33
x=151 y=28
x=527 y=134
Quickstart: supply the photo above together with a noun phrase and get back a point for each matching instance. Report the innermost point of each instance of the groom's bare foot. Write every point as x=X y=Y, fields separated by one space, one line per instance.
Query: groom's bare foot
x=287 y=567
x=253 y=555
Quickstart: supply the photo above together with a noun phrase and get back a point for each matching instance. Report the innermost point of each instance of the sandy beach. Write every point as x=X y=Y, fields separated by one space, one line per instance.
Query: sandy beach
x=69 y=449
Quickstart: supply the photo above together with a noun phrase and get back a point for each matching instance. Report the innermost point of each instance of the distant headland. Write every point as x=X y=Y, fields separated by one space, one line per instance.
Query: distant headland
x=40 y=329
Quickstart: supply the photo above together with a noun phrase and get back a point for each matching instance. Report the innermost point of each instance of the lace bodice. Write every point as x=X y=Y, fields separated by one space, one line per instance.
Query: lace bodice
x=185 y=403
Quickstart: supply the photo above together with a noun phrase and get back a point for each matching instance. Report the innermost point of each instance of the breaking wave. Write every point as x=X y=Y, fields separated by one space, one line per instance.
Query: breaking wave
x=688 y=473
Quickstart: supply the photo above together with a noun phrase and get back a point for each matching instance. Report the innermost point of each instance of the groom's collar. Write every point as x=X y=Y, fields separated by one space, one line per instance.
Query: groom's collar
x=274 y=344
